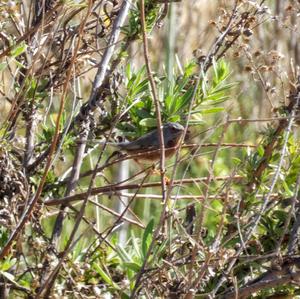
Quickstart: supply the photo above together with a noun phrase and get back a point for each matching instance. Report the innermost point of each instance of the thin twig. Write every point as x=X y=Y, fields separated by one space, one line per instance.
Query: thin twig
x=27 y=213
x=266 y=200
x=116 y=187
x=161 y=146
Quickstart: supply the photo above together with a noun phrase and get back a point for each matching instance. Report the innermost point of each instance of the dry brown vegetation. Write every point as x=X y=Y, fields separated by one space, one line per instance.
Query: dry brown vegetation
x=221 y=220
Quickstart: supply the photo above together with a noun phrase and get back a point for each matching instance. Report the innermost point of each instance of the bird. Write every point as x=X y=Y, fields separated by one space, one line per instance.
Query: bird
x=147 y=147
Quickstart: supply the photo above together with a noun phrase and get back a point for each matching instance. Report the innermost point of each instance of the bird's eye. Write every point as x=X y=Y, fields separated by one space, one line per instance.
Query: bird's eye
x=176 y=129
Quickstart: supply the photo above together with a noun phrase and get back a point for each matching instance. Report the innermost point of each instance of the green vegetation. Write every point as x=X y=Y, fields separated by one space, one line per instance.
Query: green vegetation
x=218 y=219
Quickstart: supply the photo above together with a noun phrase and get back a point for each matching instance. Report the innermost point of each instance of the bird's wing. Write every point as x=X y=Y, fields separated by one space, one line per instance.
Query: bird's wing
x=148 y=141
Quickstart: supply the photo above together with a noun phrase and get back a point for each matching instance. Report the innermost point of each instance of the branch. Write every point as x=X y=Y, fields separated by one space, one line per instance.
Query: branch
x=270 y=279
x=118 y=187
x=28 y=211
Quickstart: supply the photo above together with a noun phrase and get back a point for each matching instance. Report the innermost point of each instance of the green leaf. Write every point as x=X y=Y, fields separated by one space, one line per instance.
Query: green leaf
x=287 y=189
x=181 y=85
x=124 y=296
x=128 y=70
x=141 y=87
x=123 y=254
x=18 y=63
x=147 y=237
x=7 y=264
x=260 y=150
x=208 y=110
x=225 y=87
x=174 y=118
x=143 y=113
x=18 y=50
x=212 y=110
x=281 y=215
x=133 y=266
x=148 y=122
x=215 y=67
x=221 y=71
x=189 y=69
x=215 y=99
x=105 y=276
x=168 y=103
x=136 y=245
x=196 y=122
x=184 y=100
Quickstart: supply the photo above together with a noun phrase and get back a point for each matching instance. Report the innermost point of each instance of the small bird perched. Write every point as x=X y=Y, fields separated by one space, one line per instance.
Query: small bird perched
x=147 y=146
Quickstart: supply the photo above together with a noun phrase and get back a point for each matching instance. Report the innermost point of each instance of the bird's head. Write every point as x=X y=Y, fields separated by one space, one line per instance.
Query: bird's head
x=172 y=131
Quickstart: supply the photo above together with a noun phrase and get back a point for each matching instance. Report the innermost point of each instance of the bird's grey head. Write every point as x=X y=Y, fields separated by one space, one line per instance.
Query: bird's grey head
x=172 y=129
